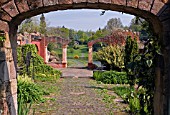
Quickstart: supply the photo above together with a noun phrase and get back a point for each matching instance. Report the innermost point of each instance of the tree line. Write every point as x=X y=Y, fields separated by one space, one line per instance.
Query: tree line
x=40 y=25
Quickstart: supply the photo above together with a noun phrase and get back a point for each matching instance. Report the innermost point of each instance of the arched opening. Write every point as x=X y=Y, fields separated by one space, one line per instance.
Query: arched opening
x=156 y=12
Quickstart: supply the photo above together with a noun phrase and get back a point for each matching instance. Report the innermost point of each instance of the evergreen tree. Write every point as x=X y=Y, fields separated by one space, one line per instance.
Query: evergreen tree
x=42 y=25
x=131 y=49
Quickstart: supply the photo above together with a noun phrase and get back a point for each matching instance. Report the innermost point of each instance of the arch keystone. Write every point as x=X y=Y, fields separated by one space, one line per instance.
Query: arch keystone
x=105 y=1
x=50 y=2
x=34 y=4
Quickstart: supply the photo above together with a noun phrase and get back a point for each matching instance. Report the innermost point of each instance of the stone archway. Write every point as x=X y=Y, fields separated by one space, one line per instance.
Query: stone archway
x=13 y=12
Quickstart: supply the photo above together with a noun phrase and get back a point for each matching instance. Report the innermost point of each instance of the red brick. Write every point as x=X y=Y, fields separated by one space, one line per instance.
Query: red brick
x=79 y=1
x=132 y=3
x=10 y=8
x=3 y=2
x=92 y=1
x=34 y=4
x=157 y=7
x=119 y=2
x=105 y=1
x=4 y=26
x=4 y=16
x=65 y=1
x=145 y=5
x=50 y=2
x=22 y=5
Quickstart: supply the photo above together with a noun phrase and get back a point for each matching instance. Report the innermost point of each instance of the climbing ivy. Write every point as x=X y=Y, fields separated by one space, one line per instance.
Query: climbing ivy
x=37 y=65
x=141 y=69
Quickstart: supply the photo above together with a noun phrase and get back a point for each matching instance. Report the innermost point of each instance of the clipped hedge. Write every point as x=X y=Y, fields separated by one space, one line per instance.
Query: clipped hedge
x=111 y=77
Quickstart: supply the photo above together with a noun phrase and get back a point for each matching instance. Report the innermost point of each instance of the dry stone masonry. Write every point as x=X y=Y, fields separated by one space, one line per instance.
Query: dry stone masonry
x=13 y=12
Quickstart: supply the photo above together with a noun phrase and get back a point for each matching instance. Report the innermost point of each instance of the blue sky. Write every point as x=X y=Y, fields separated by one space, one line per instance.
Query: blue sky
x=84 y=19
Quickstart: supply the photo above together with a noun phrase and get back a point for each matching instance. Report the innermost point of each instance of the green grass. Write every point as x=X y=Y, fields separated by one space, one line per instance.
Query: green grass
x=81 y=52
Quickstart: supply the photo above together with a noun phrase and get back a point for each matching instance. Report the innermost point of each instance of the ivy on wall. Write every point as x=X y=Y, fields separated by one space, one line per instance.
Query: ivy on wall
x=141 y=70
x=36 y=65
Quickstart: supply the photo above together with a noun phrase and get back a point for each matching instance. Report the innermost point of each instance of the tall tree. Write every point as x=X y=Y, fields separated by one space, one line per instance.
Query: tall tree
x=43 y=25
x=136 y=24
x=113 y=24
x=28 y=25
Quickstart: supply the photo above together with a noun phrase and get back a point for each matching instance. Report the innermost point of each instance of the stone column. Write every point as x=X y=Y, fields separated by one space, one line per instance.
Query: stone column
x=64 y=56
x=90 y=57
x=8 y=82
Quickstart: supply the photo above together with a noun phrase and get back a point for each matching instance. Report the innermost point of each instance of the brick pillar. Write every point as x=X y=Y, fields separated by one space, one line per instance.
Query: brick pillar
x=45 y=54
x=64 y=55
x=90 y=57
x=8 y=82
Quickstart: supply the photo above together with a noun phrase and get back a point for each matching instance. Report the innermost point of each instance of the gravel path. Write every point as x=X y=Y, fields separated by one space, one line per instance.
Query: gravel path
x=78 y=97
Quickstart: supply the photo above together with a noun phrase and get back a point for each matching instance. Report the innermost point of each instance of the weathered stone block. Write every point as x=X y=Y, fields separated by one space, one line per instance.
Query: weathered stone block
x=65 y=1
x=34 y=4
x=3 y=106
x=7 y=43
x=92 y=1
x=22 y=5
x=105 y=1
x=10 y=8
x=13 y=86
x=79 y=1
x=8 y=53
x=4 y=16
x=132 y=3
x=157 y=6
x=50 y=2
x=119 y=2
x=3 y=2
x=4 y=26
x=145 y=5
x=12 y=69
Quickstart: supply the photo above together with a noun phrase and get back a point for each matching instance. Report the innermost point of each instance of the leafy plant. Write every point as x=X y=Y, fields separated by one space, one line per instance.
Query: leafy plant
x=28 y=93
x=130 y=96
x=112 y=57
x=141 y=70
x=111 y=77
x=2 y=38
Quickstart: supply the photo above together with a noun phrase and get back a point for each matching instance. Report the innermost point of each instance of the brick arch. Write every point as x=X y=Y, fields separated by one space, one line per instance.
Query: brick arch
x=44 y=43
x=13 y=12
x=117 y=37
